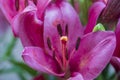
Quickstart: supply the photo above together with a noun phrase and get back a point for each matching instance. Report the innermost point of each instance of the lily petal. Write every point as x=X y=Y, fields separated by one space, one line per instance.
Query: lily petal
x=28 y=27
x=117 y=33
x=37 y=59
x=53 y=17
x=94 y=13
x=115 y=59
x=71 y=19
x=41 y=5
x=77 y=76
x=94 y=54
x=116 y=62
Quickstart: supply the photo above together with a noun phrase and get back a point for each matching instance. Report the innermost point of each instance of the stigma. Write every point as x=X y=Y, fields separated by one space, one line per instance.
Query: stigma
x=64 y=39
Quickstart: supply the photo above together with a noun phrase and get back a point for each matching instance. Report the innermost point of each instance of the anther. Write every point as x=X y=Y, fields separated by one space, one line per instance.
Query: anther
x=17 y=5
x=49 y=43
x=66 y=30
x=59 y=29
x=77 y=43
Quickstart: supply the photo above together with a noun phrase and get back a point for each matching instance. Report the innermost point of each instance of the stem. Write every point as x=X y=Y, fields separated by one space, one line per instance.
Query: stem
x=9 y=50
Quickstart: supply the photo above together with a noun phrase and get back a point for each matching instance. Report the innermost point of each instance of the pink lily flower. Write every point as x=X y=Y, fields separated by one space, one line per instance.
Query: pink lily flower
x=33 y=24
x=11 y=8
x=54 y=41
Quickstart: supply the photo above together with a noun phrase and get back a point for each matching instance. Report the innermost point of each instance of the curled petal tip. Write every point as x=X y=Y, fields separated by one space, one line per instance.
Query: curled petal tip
x=93 y=16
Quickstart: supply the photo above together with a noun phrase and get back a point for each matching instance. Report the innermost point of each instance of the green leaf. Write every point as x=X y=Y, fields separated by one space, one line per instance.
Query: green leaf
x=99 y=27
x=9 y=49
x=84 y=8
x=14 y=69
x=24 y=67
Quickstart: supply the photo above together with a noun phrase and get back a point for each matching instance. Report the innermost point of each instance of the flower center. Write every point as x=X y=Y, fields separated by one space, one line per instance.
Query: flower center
x=63 y=59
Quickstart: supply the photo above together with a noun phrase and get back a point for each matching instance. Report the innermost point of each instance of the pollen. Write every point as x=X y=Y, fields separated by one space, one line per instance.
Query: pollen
x=64 y=39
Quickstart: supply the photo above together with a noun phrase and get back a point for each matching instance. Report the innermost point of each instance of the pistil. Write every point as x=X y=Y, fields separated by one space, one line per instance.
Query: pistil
x=64 y=40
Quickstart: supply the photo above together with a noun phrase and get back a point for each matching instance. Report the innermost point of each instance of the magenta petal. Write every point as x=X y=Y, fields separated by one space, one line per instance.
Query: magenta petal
x=28 y=27
x=94 y=53
x=11 y=7
x=76 y=76
x=115 y=60
x=116 y=63
x=75 y=29
x=52 y=19
x=41 y=5
x=37 y=59
x=94 y=13
x=117 y=33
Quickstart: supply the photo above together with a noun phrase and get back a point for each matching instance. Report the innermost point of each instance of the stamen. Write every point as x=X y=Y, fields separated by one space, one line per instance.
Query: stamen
x=66 y=30
x=49 y=43
x=57 y=59
x=17 y=5
x=59 y=62
x=77 y=43
x=66 y=55
x=59 y=29
x=64 y=40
